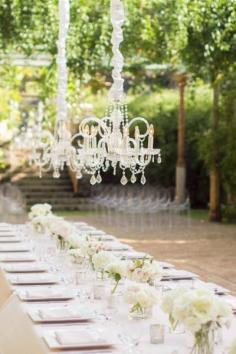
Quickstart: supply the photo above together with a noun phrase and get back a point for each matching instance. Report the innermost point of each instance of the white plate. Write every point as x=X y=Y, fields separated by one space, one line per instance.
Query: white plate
x=10 y=240
x=176 y=274
x=57 y=315
x=32 y=279
x=14 y=248
x=65 y=340
x=17 y=257
x=133 y=255
x=116 y=246
x=46 y=294
x=25 y=268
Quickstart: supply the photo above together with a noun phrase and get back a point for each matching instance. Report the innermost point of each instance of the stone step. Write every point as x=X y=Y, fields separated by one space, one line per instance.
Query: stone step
x=58 y=192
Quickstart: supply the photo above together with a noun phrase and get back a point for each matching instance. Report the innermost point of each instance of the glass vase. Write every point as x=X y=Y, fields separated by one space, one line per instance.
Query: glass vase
x=141 y=313
x=204 y=341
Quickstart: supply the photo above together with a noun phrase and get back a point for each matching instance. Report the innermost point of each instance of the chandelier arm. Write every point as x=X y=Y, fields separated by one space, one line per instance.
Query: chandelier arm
x=138 y=120
x=87 y=121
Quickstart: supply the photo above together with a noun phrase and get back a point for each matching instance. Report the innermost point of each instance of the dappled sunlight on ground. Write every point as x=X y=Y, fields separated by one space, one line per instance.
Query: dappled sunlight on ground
x=208 y=249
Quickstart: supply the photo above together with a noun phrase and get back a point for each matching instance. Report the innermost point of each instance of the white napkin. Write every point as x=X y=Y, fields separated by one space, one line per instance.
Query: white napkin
x=11 y=239
x=14 y=248
x=16 y=257
x=178 y=274
x=134 y=255
x=24 y=268
x=58 y=313
x=44 y=293
x=33 y=278
x=79 y=337
x=116 y=246
x=87 y=228
x=96 y=232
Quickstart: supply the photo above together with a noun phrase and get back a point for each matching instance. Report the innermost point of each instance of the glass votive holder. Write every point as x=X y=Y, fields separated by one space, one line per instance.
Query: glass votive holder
x=99 y=290
x=157 y=333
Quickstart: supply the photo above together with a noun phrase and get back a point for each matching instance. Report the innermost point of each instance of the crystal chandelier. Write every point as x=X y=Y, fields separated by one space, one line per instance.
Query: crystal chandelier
x=54 y=152
x=115 y=141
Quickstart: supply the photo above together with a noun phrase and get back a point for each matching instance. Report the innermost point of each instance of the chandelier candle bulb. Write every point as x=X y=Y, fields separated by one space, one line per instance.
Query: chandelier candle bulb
x=150 y=137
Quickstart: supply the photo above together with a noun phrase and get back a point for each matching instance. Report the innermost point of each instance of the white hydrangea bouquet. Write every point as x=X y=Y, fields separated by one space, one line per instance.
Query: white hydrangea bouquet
x=201 y=312
x=39 y=216
x=40 y=210
x=62 y=230
x=144 y=271
x=116 y=270
x=101 y=260
x=89 y=248
x=141 y=297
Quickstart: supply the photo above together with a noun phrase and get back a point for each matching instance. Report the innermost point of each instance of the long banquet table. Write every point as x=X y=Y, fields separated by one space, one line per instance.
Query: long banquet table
x=111 y=321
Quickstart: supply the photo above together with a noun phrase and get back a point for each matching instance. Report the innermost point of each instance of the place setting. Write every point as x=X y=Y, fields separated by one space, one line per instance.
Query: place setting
x=14 y=248
x=73 y=313
x=10 y=240
x=33 y=279
x=46 y=294
x=34 y=267
x=85 y=339
x=13 y=257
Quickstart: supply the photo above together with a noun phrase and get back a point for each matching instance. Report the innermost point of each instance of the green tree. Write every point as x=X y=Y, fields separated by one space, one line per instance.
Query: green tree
x=208 y=44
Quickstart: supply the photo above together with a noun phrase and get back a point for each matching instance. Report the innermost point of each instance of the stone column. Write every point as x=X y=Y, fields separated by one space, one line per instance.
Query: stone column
x=180 y=192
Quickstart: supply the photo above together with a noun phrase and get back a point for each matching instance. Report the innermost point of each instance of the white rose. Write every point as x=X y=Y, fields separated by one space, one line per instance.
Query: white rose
x=102 y=259
x=40 y=210
x=169 y=299
x=141 y=294
x=117 y=267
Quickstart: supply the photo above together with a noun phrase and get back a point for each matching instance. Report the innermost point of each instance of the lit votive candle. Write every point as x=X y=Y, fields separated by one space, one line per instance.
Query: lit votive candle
x=157 y=333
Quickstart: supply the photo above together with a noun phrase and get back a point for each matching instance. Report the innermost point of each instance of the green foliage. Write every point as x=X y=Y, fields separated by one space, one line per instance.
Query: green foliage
x=209 y=36
x=229 y=213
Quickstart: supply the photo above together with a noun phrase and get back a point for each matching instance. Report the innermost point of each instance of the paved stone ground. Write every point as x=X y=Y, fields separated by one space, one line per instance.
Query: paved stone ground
x=205 y=248
x=209 y=249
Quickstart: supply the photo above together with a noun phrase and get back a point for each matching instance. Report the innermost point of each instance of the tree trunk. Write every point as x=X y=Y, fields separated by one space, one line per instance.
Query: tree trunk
x=215 y=209
x=180 y=191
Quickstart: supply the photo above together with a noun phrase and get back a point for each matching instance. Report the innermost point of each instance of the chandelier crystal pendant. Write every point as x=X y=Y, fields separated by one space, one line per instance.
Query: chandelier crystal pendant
x=56 y=151
x=115 y=141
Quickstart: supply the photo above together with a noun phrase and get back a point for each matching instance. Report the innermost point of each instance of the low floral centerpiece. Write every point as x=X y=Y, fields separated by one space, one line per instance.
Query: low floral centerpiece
x=39 y=216
x=40 y=210
x=144 y=271
x=142 y=298
x=101 y=260
x=63 y=231
x=201 y=312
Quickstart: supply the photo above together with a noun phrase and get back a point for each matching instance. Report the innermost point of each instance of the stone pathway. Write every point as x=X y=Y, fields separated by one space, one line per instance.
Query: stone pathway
x=205 y=248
